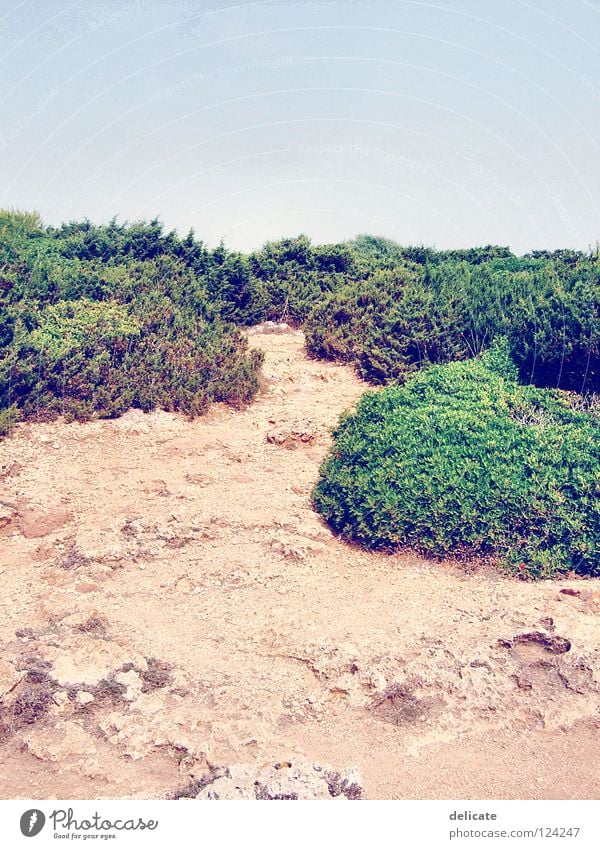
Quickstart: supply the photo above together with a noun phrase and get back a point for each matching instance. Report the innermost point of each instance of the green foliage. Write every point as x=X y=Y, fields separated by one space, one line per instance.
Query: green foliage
x=68 y=325
x=463 y=459
x=290 y=276
x=94 y=320
x=388 y=326
x=426 y=308
x=8 y=419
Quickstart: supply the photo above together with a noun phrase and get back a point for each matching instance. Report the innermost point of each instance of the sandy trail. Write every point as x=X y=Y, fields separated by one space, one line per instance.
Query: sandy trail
x=168 y=585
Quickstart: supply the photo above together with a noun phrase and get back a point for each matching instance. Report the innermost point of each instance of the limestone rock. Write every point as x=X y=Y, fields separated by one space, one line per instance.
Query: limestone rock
x=9 y=677
x=299 y=432
x=85 y=660
x=132 y=682
x=156 y=719
x=59 y=743
x=270 y=327
x=284 y=780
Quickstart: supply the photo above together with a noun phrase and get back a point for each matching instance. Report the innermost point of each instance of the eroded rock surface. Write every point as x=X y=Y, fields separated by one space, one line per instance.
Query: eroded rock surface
x=283 y=780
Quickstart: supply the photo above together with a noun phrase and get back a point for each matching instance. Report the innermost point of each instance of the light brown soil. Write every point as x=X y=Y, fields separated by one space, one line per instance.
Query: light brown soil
x=194 y=543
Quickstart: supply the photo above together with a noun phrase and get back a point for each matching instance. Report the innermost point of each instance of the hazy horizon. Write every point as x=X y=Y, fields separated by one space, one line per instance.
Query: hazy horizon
x=450 y=124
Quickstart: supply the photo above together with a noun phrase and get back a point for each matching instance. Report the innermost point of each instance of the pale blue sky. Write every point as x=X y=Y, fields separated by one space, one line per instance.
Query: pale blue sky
x=449 y=123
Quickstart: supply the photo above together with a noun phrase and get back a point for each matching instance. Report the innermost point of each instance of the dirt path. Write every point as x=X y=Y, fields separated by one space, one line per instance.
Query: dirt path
x=170 y=600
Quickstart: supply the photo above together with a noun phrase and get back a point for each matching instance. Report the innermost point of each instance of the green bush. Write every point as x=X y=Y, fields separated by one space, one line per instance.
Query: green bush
x=464 y=460
x=94 y=320
x=388 y=326
x=288 y=277
x=396 y=319
x=84 y=359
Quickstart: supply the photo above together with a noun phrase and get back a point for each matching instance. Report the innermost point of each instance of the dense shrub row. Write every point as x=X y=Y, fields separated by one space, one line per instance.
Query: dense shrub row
x=444 y=309
x=464 y=460
x=385 y=308
x=96 y=320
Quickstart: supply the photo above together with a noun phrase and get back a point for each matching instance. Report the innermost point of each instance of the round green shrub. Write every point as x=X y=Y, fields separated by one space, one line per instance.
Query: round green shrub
x=464 y=460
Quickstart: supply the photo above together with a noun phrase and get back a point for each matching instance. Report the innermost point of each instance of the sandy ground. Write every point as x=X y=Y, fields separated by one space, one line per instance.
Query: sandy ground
x=170 y=602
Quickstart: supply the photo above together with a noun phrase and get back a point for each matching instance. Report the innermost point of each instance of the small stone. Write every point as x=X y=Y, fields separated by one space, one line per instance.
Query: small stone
x=132 y=682
x=276 y=437
x=84 y=698
x=61 y=697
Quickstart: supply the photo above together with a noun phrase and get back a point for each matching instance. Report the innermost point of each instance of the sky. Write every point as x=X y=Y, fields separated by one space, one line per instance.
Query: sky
x=451 y=124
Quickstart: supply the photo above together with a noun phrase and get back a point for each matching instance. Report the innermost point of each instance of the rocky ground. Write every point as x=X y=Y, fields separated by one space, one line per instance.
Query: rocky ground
x=176 y=621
